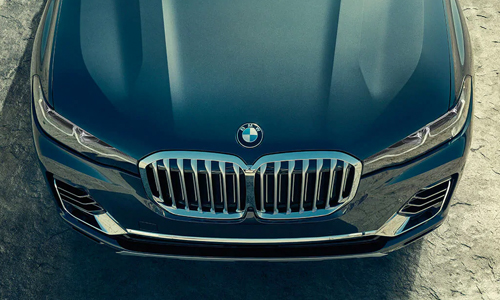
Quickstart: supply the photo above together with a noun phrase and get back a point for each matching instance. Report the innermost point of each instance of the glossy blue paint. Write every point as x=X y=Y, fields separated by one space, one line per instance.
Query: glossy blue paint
x=146 y=77
x=460 y=47
x=46 y=29
x=459 y=31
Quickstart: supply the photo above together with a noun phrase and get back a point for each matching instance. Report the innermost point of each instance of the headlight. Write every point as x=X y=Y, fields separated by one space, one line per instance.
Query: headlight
x=432 y=135
x=76 y=138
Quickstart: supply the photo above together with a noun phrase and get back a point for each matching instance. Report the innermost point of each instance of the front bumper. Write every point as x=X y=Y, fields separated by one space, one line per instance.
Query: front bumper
x=355 y=231
x=370 y=245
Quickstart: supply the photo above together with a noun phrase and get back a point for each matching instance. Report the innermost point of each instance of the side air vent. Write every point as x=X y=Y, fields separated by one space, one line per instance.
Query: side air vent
x=427 y=198
x=423 y=206
x=80 y=205
x=77 y=198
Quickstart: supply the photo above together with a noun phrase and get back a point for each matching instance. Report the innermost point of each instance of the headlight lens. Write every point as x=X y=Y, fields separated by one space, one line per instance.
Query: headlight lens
x=76 y=138
x=432 y=135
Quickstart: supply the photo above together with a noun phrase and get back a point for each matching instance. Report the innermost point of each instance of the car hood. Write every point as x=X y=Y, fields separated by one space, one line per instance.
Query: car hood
x=351 y=76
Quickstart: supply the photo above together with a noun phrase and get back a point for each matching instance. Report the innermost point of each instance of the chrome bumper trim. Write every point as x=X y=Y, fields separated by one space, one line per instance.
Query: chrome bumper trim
x=251 y=241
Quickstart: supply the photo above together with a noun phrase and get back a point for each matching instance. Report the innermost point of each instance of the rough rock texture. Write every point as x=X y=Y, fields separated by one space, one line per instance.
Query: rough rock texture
x=40 y=257
x=462 y=258
x=16 y=26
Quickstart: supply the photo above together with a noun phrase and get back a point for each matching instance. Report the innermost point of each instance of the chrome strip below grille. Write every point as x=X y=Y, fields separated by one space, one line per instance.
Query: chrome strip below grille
x=252 y=240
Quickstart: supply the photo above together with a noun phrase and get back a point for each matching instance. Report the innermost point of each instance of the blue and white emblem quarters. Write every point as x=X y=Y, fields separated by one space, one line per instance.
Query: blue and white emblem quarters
x=250 y=135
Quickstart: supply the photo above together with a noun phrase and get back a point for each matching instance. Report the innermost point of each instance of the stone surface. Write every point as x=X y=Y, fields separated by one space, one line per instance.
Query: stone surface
x=41 y=258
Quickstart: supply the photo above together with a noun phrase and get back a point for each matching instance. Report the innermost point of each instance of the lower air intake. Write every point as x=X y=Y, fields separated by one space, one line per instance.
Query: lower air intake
x=431 y=197
x=77 y=198
x=80 y=205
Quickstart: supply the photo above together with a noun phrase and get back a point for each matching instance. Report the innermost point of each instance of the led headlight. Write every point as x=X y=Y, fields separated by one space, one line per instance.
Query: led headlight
x=430 y=136
x=74 y=137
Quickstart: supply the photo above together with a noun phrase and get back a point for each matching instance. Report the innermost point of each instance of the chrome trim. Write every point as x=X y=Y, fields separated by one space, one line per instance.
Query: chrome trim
x=396 y=224
x=428 y=197
x=277 y=168
x=319 y=166
x=250 y=170
x=440 y=198
x=262 y=193
x=331 y=182
x=182 y=178
x=344 y=180
x=208 y=167
x=157 y=181
x=250 y=259
x=194 y=166
x=237 y=191
x=107 y=224
x=291 y=167
x=303 y=189
x=193 y=157
x=166 y=163
x=306 y=157
x=222 y=168
x=249 y=240
x=68 y=192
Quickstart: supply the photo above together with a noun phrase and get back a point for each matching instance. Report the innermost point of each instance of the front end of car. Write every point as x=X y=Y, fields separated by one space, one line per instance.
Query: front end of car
x=296 y=204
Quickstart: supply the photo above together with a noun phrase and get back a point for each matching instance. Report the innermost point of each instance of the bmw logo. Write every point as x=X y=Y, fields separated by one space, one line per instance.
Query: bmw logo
x=250 y=135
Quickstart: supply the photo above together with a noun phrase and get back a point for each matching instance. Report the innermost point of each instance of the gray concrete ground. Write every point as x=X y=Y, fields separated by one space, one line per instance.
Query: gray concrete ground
x=41 y=258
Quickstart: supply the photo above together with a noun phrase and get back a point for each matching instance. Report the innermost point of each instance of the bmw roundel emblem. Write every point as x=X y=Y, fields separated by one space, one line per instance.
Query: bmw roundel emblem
x=250 y=135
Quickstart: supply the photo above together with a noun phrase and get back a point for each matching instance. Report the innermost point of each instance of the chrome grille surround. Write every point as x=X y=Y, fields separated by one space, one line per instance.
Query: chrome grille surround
x=196 y=184
x=332 y=187
x=317 y=183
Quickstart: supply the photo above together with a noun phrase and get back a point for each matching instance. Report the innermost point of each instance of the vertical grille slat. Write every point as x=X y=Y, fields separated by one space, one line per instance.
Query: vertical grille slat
x=342 y=186
x=291 y=167
x=180 y=166
x=303 y=190
x=238 y=196
x=222 y=167
x=166 y=163
x=331 y=182
x=194 y=166
x=262 y=183
x=157 y=182
x=319 y=166
x=210 y=188
x=277 y=167
x=286 y=185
